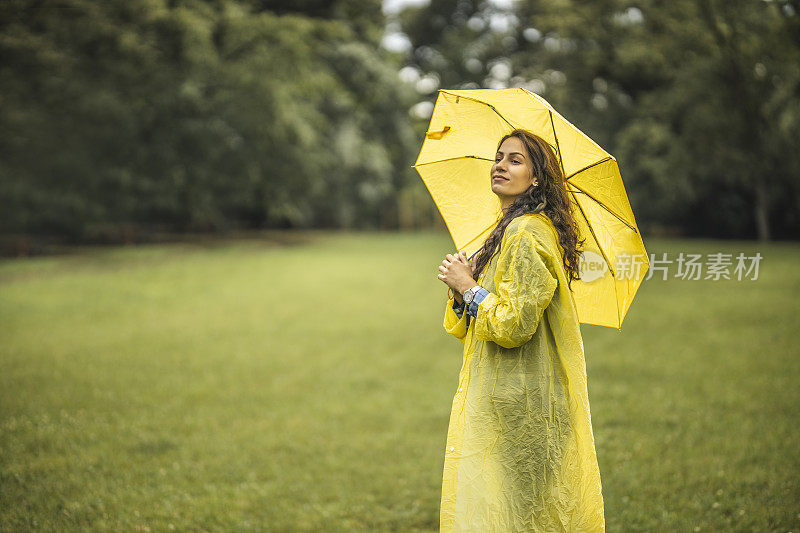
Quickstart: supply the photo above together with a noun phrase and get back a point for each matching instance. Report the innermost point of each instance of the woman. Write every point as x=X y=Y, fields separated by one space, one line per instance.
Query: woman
x=520 y=452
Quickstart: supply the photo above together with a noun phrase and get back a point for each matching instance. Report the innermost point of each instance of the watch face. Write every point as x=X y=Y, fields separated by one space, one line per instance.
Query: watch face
x=468 y=296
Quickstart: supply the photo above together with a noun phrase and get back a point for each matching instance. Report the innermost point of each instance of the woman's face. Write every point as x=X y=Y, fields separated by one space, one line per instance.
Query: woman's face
x=512 y=172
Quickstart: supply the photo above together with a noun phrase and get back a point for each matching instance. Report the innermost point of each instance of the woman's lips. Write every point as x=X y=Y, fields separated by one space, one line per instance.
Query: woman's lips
x=499 y=178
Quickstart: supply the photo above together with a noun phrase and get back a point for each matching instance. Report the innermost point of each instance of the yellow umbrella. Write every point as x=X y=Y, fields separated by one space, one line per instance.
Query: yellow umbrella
x=454 y=163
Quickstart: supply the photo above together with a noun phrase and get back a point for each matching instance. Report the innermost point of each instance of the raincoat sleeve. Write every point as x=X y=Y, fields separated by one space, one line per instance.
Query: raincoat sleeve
x=455 y=324
x=524 y=287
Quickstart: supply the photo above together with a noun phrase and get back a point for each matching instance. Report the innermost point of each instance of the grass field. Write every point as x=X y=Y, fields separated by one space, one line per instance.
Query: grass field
x=248 y=385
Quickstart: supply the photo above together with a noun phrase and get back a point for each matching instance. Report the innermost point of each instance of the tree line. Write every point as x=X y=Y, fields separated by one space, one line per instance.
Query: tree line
x=125 y=117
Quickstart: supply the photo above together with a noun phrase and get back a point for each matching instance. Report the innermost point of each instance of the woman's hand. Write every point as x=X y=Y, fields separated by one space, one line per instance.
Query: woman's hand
x=456 y=272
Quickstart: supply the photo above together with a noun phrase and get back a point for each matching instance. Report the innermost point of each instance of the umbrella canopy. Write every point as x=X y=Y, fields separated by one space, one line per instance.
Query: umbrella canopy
x=455 y=161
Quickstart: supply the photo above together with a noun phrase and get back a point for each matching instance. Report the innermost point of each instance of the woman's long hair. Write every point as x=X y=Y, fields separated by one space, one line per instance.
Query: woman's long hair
x=549 y=196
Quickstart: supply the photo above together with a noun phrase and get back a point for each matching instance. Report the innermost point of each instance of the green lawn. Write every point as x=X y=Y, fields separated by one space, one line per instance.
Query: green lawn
x=307 y=387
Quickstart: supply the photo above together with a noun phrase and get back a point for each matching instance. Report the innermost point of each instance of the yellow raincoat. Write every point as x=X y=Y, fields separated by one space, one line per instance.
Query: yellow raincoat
x=520 y=452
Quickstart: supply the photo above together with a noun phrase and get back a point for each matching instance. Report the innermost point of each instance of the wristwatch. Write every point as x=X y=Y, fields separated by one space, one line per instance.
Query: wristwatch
x=469 y=294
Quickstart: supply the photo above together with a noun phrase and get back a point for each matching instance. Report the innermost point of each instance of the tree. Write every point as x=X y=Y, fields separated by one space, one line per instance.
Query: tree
x=196 y=115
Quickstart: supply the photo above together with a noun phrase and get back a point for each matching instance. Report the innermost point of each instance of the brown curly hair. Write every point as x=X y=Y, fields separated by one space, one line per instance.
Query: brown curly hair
x=549 y=196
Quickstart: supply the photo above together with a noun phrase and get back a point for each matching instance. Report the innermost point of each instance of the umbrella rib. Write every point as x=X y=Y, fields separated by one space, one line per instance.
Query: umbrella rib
x=610 y=270
x=453 y=159
x=484 y=103
x=558 y=146
x=587 y=167
x=591 y=230
x=604 y=206
x=476 y=237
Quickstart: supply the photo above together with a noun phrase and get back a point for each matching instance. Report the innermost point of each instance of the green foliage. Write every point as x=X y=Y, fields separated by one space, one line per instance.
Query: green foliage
x=196 y=115
x=124 y=117
x=218 y=388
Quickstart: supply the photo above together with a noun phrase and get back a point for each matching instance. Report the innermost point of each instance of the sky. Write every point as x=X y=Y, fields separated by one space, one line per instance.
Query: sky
x=394 y=6
x=396 y=41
